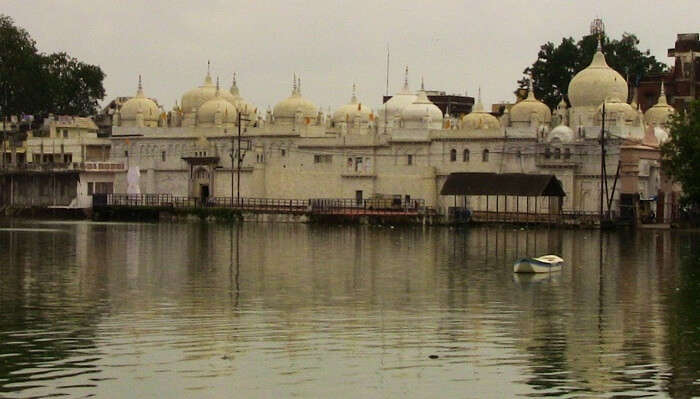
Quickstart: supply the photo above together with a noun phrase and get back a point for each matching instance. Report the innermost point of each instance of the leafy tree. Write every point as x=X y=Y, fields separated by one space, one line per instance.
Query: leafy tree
x=556 y=65
x=681 y=153
x=36 y=83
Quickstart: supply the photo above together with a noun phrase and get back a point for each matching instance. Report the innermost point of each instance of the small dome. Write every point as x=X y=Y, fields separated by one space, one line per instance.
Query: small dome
x=287 y=108
x=562 y=133
x=195 y=98
x=593 y=85
x=523 y=110
x=614 y=106
x=395 y=105
x=414 y=114
x=206 y=115
x=479 y=119
x=139 y=103
x=659 y=113
x=349 y=112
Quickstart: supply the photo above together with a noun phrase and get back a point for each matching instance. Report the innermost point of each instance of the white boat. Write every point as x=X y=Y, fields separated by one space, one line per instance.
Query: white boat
x=543 y=264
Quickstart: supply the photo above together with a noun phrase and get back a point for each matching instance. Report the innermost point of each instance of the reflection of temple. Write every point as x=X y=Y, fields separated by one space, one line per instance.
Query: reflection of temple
x=406 y=148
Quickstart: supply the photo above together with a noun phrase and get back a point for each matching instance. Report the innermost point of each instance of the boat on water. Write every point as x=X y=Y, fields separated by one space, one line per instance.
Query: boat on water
x=543 y=264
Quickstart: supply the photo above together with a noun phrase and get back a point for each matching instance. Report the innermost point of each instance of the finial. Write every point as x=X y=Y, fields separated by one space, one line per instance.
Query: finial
x=531 y=91
x=405 y=79
x=353 y=99
x=208 y=68
x=140 y=86
x=294 y=84
x=422 y=83
x=299 y=84
x=600 y=43
x=217 y=85
x=662 y=95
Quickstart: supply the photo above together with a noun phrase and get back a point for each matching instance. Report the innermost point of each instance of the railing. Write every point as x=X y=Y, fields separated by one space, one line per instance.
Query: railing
x=277 y=205
x=61 y=166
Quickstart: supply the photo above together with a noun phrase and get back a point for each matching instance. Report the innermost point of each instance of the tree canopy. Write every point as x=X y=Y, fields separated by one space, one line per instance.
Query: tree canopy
x=36 y=83
x=681 y=153
x=556 y=65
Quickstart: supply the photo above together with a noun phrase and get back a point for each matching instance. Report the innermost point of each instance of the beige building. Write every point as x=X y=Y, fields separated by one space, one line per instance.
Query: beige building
x=407 y=148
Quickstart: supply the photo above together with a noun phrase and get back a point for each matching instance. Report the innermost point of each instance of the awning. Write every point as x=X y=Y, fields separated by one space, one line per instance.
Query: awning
x=516 y=184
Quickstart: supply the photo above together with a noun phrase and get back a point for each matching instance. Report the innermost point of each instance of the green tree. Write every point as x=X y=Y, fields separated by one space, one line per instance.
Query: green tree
x=556 y=65
x=36 y=83
x=681 y=153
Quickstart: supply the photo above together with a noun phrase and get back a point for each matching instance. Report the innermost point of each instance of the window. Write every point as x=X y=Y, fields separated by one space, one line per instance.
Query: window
x=90 y=188
x=283 y=152
x=547 y=153
x=65 y=134
x=465 y=156
x=358 y=164
x=453 y=155
x=567 y=153
x=485 y=156
x=162 y=156
x=126 y=154
x=557 y=153
x=323 y=158
x=409 y=159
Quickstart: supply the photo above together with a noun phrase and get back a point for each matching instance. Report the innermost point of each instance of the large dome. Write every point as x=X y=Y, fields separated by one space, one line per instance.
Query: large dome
x=415 y=113
x=354 y=109
x=287 y=108
x=207 y=113
x=139 y=103
x=523 y=110
x=593 y=85
x=194 y=98
x=562 y=133
x=479 y=119
x=395 y=105
x=659 y=113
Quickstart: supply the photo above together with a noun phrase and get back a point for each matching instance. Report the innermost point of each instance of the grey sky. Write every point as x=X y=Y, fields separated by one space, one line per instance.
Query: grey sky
x=455 y=45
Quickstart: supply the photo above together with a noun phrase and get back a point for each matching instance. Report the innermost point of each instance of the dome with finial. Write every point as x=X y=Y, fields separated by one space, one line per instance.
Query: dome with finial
x=195 y=98
x=287 y=109
x=420 y=110
x=352 y=110
x=395 y=105
x=659 y=113
x=238 y=101
x=562 y=133
x=139 y=104
x=614 y=105
x=523 y=110
x=479 y=119
x=597 y=82
x=207 y=113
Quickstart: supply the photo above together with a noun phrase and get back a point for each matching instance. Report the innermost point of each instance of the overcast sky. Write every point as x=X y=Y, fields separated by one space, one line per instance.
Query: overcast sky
x=456 y=45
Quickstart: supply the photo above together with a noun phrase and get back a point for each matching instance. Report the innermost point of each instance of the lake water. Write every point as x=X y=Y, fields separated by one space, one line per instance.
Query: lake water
x=276 y=310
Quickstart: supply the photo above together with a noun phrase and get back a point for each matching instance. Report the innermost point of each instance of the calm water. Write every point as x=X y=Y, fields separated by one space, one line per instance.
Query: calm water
x=262 y=310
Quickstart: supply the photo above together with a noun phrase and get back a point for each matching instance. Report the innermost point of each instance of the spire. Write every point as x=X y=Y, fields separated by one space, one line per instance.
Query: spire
x=662 y=96
x=207 y=79
x=217 y=86
x=294 y=84
x=405 y=79
x=234 y=86
x=600 y=44
x=422 y=84
x=531 y=89
x=479 y=107
x=299 y=85
x=635 y=99
x=353 y=99
x=139 y=91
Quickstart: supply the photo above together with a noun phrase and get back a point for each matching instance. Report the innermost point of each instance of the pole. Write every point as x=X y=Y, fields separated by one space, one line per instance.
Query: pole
x=238 y=170
x=602 y=161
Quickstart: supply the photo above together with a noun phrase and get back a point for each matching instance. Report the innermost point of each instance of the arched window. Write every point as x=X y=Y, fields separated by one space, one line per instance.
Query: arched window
x=453 y=155
x=465 y=156
x=547 y=153
x=557 y=153
x=485 y=156
x=567 y=153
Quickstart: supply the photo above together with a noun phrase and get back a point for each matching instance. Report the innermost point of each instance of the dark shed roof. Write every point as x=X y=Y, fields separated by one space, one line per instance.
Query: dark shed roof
x=518 y=184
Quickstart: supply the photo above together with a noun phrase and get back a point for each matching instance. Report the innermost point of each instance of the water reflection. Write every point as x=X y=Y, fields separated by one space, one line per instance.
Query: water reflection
x=195 y=310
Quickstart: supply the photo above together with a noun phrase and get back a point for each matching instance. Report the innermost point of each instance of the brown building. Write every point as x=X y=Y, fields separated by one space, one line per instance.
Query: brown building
x=682 y=82
x=448 y=103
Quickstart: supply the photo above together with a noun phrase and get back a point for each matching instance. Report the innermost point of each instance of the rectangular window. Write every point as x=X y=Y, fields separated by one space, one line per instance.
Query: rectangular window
x=65 y=134
x=409 y=159
x=283 y=152
x=126 y=154
x=91 y=189
x=162 y=156
x=323 y=158
x=358 y=164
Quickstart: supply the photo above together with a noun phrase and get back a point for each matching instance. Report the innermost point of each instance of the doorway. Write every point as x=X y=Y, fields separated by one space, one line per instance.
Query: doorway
x=204 y=193
x=358 y=197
